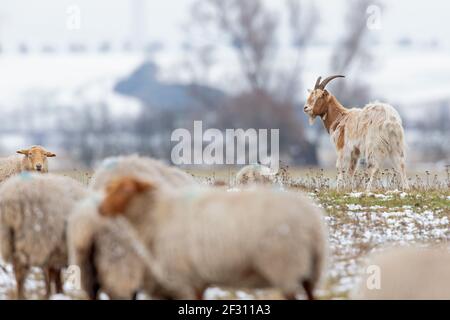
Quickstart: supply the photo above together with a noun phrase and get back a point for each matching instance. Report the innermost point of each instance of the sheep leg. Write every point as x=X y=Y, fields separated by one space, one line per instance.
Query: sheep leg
x=48 y=283
x=55 y=277
x=308 y=287
x=20 y=273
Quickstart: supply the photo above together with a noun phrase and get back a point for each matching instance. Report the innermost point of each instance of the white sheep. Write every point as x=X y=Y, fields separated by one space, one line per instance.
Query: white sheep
x=119 y=272
x=33 y=213
x=34 y=159
x=407 y=274
x=255 y=174
x=140 y=167
x=374 y=132
x=104 y=253
x=256 y=238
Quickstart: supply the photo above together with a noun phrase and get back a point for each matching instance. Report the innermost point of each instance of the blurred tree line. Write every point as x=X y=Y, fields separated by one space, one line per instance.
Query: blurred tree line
x=268 y=94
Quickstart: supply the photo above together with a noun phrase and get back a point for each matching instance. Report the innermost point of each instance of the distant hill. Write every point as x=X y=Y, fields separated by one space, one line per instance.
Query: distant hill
x=144 y=85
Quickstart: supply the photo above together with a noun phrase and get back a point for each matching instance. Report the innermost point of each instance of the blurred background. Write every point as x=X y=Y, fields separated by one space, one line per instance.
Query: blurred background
x=89 y=79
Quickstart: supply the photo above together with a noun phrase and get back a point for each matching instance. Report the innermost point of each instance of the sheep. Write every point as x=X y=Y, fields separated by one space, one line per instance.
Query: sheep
x=104 y=254
x=133 y=165
x=33 y=212
x=255 y=173
x=407 y=274
x=256 y=238
x=374 y=132
x=90 y=246
x=34 y=159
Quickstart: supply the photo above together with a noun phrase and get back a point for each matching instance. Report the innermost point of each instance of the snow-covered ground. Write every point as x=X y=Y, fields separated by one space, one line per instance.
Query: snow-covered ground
x=359 y=224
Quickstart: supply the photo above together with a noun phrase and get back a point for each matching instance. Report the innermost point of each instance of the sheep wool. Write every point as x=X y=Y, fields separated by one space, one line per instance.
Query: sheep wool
x=104 y=254
x=407 y=274
x=33 y=213
x=255 y=174
x=140 y=167
x=256 y=238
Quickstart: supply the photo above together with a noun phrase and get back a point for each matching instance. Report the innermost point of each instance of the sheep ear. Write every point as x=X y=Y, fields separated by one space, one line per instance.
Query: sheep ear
x=50 y=154
x=23 y=151
x=142 y=186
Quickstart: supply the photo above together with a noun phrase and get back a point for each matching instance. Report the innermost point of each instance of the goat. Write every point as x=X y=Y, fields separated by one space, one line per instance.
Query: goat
x=374 y=132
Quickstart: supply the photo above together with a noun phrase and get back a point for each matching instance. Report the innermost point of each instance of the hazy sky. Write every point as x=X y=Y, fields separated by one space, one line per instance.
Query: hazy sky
x=44 y=21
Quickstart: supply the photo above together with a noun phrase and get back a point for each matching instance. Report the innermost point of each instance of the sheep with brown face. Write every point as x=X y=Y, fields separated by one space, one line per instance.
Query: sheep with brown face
x=34 y=159
x=256 y=238
x=407 y=274
x=374 y=132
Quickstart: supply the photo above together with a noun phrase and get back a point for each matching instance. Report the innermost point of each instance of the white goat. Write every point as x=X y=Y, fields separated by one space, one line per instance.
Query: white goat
x=374 y=132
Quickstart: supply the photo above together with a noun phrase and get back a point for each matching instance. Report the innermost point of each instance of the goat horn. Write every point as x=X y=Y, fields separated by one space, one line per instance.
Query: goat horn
x=317 y=83
x=327 y=80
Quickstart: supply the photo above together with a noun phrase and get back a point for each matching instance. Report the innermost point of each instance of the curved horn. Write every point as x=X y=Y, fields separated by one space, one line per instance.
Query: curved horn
x=317 y=83
x=327 y=80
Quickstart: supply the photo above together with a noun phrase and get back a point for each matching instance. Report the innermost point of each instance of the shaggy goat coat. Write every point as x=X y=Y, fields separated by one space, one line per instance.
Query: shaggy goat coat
x=255 y=238
x=104 y=254
x=142 y=168
x=33 y=213
x=374 y=132
x=408 y=274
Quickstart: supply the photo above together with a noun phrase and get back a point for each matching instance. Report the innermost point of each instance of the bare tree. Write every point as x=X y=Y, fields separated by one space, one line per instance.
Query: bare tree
x=352 y=54
x=303 y=22
x=250 y=30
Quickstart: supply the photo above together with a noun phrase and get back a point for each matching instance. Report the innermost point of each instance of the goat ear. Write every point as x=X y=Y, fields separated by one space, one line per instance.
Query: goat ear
x=325 y=93
x=23 y=151
x=50 y=154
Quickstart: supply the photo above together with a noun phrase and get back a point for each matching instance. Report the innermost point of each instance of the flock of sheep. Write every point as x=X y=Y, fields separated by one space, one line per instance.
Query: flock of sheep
x=144 y=226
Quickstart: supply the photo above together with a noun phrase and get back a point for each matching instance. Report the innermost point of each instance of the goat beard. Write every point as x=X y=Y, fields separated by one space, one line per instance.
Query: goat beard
x=311 y=120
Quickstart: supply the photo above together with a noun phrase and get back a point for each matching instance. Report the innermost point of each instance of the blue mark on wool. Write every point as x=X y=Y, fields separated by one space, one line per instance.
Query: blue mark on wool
x=110 y=163
x=91 y=200
x=25 y=175
x=194 y=193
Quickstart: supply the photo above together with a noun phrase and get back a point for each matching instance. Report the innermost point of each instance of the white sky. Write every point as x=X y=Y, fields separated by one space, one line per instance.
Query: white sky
x=44 y=21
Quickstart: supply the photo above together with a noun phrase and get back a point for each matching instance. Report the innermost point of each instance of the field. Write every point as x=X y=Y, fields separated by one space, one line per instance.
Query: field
x=359 y=223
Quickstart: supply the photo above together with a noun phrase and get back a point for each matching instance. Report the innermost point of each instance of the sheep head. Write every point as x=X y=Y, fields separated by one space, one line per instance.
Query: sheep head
x=120 y=192
x=317 y=102
x=35 y=158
